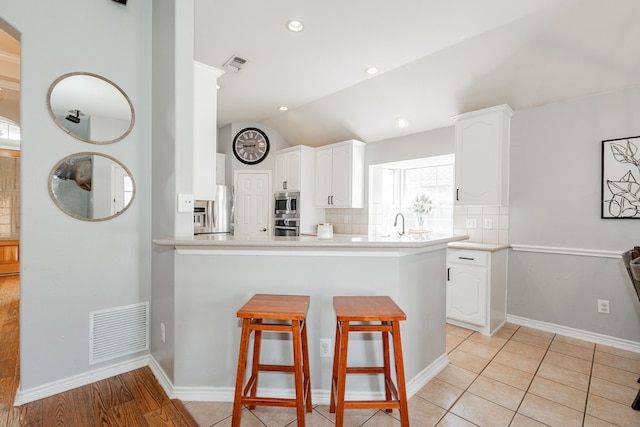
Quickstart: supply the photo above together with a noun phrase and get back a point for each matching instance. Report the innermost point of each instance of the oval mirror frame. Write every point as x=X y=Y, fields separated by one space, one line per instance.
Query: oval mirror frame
x=74 y=183
x=74 y=95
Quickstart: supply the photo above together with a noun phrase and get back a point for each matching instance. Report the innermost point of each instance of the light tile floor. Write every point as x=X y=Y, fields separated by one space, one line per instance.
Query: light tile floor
x=518 y=377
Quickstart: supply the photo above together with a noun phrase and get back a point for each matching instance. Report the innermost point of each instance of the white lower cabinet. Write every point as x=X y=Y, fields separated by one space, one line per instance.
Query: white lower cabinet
x=477 y=289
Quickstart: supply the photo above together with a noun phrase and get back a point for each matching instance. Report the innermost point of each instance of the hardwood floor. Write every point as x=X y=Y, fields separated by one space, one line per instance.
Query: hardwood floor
x=131 y=399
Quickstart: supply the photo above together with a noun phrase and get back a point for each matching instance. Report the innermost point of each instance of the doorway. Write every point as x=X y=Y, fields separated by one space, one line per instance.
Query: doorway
x=252 y=203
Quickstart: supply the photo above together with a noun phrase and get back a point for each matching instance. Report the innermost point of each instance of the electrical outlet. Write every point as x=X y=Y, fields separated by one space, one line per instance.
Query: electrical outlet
x=488 y=223
x=346 y=220
x=325 y=347
x=472 y=223
x=185 y=202
x=603 y=306
x=162 y=331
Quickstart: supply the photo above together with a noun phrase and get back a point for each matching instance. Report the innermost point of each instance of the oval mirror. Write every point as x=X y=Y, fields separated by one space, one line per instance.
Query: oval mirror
x=91 y=186
x=91 y=108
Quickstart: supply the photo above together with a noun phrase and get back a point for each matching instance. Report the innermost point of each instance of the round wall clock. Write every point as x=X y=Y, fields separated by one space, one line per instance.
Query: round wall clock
x=251 y=146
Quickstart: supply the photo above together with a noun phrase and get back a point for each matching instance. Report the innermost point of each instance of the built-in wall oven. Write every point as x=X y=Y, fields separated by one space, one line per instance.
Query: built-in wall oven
x=286 y=215
x=286 y=227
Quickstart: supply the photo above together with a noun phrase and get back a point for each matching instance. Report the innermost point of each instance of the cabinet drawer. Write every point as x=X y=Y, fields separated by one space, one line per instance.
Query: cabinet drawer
x=466 y=257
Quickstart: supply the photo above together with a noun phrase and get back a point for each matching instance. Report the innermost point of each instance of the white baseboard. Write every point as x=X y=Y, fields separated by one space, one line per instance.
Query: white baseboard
x=65 y=384
x=576 y=333
x=319 y=396
x=161 y=376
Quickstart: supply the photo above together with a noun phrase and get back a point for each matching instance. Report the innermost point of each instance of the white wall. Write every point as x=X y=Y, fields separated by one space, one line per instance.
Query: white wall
x=71 y=267
x=555 y=198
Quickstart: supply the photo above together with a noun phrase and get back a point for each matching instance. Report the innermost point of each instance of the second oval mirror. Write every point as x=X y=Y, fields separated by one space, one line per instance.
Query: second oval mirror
x=91 y=186
x=90 y=108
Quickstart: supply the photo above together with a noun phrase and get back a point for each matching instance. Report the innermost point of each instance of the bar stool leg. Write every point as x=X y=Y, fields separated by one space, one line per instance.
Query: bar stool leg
x=342 y=373
x=305 y=367
x=242 y=365
x=401 y=386
x=255 y=361
x=387 y=367
x=297 y=371
x=334 y=372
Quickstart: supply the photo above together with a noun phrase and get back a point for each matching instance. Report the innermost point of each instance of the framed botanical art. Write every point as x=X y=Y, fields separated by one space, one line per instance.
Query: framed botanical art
x=620 y=178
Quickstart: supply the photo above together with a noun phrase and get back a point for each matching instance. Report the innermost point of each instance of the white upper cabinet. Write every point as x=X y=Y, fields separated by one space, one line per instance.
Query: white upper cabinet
x=205 y=131
x=482 y=156
x=288 y=163
x=340 y=175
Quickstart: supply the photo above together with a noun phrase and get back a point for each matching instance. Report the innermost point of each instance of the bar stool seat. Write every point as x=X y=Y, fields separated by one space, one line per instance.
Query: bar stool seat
x=278 y=313
x=370 y=310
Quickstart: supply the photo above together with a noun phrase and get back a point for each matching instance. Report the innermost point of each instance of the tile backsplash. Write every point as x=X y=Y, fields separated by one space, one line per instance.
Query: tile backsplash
x=492 y=223
x=348 y=221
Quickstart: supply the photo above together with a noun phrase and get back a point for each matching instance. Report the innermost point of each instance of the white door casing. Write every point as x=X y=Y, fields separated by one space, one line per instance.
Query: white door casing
x=252 y=203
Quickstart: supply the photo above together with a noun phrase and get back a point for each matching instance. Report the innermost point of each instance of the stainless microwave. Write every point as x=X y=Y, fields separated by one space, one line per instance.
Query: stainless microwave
x=286 y=204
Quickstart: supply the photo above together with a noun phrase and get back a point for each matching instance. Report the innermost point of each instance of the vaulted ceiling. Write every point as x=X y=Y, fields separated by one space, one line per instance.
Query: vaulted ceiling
x=436 y=59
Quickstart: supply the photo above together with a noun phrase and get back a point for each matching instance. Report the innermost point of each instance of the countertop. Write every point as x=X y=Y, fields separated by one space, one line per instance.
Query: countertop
x=477 y=246
x=338 y=241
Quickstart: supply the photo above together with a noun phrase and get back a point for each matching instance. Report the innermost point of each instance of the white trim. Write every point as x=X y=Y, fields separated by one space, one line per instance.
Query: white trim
x=567 y=251
x=181 y=250
x=161 y=376
x=319 y=396
x=65 y=384
x=416 y=383
x=576 y=333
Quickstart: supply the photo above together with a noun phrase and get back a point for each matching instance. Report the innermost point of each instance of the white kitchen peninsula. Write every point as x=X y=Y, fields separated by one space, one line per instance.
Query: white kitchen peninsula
x=215 y=275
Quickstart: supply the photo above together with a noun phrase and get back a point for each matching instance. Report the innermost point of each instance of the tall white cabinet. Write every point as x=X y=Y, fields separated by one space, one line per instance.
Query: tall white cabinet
x=482 y=156
x=340 y=175
x=477 y=288
x=294 y=170
x=205 y=132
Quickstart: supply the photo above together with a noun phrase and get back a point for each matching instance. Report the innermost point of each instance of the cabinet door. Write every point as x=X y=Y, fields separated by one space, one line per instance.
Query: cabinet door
x=324 y=159
x=280 y=172
x=293 y=170
x=467 y=294
x=341 y=177
x=478 y=162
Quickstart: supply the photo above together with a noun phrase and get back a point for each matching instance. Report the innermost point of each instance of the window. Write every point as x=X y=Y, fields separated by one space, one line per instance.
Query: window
x=9 y=130
x=395 y=187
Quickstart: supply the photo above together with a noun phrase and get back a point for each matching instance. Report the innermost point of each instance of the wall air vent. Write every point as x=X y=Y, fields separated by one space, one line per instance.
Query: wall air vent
x=118 y=331
x=235 y=63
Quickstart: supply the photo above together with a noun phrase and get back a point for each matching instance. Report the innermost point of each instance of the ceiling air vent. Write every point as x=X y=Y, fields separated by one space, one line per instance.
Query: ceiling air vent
x=235 y=63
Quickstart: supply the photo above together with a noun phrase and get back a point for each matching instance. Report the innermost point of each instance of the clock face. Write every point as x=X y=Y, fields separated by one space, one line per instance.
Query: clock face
x=251 y=146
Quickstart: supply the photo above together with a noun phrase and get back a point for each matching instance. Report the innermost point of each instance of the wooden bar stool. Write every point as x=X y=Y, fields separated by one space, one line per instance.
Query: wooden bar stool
x=278 y=313
x=368 y=309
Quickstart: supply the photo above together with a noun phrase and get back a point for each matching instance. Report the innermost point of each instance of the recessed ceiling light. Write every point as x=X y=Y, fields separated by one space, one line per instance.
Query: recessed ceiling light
x=402 y=123
x=295 y=25
x=283 y=108
x=372 y=70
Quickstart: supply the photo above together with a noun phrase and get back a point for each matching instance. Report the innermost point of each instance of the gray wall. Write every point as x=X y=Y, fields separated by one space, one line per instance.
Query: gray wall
x=555 y=174
x=71 y=267
x=172 y=160
x=555 y=203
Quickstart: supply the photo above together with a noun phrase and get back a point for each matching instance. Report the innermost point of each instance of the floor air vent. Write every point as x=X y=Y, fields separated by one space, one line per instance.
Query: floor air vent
x=119 y=331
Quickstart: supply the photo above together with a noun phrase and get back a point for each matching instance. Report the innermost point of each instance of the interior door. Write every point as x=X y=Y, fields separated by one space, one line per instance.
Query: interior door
x=252 y=203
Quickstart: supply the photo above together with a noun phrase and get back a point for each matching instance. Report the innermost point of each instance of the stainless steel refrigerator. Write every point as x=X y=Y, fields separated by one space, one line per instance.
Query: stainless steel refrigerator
x=214 y=216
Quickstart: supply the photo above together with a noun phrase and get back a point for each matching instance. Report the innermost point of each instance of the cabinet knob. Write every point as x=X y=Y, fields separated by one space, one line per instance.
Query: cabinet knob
x=263 y=230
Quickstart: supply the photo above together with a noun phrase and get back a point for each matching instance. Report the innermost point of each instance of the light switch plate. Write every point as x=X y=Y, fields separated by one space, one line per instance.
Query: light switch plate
x=185 y=202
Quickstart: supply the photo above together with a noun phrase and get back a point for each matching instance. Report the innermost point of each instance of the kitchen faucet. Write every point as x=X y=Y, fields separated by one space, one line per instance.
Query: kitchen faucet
x=395 y=223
